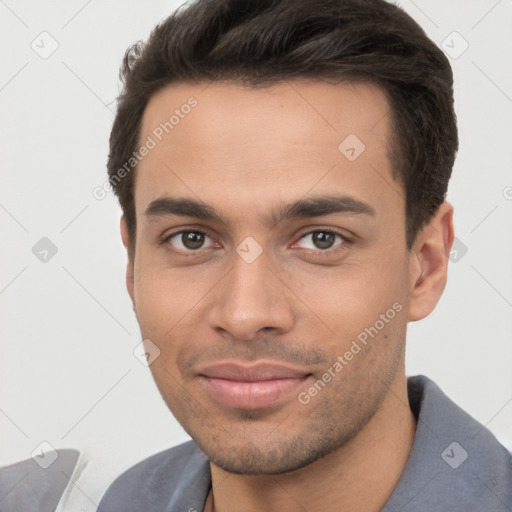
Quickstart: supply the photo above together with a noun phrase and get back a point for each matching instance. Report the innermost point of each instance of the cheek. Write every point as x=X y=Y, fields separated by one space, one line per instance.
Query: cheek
x=170 y=307
x=164 y=296
x=351 y=297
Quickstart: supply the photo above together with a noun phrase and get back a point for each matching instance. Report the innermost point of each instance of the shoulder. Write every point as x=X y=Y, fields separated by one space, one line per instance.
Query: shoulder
x=38 y=483
x=159 y=480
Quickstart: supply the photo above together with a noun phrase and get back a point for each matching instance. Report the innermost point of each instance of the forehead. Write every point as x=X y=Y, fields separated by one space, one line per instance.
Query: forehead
x=320 y=107
x=266 y=144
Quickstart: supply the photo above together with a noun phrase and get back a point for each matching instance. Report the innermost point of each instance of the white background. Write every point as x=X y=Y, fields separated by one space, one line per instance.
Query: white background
x=67 y=372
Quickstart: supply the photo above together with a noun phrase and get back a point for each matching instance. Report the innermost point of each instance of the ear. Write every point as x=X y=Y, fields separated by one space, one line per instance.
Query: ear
x=429 y=263
x=125 y=236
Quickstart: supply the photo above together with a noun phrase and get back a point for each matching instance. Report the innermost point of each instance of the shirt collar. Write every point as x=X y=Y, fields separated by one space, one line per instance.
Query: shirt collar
x=455 y=462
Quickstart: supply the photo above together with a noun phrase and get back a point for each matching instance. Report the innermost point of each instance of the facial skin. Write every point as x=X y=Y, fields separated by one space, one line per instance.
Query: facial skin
x=246 y=153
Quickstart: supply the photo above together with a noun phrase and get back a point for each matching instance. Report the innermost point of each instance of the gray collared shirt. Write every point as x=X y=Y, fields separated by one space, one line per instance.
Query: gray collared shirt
x=456 y=465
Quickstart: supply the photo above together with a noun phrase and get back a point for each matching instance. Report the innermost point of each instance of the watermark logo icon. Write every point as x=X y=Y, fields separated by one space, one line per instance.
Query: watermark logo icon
x=44 y=455
x=44 y=250
x=249 y=250
x=454 y=45
x=45 y=45
x=458 y=250
x=351 y=147
x=146 y=352
x=454 y=455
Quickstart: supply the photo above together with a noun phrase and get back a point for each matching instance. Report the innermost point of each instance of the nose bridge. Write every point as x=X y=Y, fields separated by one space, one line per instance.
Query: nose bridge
x=250 y=298
x=248 y=282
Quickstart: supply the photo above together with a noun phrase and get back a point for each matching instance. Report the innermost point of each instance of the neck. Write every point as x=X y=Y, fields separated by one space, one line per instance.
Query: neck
x=360 y=475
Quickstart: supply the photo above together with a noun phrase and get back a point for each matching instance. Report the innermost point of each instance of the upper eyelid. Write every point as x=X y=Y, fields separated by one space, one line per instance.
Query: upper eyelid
x=167 y=237
x=344 y=238
x=172 y=233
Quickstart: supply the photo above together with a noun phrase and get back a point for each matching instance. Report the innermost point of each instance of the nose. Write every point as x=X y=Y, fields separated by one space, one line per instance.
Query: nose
x=251 y=297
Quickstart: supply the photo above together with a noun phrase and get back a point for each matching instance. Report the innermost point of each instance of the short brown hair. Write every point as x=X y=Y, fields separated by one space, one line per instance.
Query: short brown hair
x=263 y=42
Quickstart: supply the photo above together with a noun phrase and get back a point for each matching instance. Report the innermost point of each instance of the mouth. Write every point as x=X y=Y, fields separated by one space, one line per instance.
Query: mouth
x=251 y=387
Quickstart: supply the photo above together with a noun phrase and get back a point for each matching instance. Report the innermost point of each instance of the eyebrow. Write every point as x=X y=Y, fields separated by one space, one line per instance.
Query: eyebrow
x=302 y=208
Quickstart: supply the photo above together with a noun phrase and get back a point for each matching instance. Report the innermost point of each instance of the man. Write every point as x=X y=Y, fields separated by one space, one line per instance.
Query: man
x=282 y=168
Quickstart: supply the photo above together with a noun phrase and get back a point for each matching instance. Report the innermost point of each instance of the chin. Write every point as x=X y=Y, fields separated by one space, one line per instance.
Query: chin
x=273 y=458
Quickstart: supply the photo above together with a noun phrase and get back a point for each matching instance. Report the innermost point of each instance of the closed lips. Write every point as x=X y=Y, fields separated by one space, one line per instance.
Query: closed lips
x=254 y=373
x=251 y=387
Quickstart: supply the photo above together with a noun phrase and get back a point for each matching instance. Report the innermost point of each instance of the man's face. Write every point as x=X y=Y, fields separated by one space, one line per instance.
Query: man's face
x=251 y=308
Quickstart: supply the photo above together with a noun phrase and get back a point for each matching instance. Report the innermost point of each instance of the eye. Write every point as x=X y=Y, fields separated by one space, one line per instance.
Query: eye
x=188 y=241
x=322 y=240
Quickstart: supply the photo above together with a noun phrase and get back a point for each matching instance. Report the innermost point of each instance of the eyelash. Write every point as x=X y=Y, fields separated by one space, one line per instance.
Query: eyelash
x=317 y=252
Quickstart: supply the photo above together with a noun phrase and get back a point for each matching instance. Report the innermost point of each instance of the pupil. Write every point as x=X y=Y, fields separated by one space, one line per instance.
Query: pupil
x=323 y=240
x=192 y=240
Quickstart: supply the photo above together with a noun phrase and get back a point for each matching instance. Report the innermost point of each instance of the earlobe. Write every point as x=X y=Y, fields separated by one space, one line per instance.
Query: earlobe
x=429 y=263
x=130 y=272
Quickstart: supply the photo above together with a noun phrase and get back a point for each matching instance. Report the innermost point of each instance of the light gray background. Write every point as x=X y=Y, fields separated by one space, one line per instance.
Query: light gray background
x=68 y=375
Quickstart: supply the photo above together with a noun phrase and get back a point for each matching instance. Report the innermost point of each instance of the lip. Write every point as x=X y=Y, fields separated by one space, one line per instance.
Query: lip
x=252 y=386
